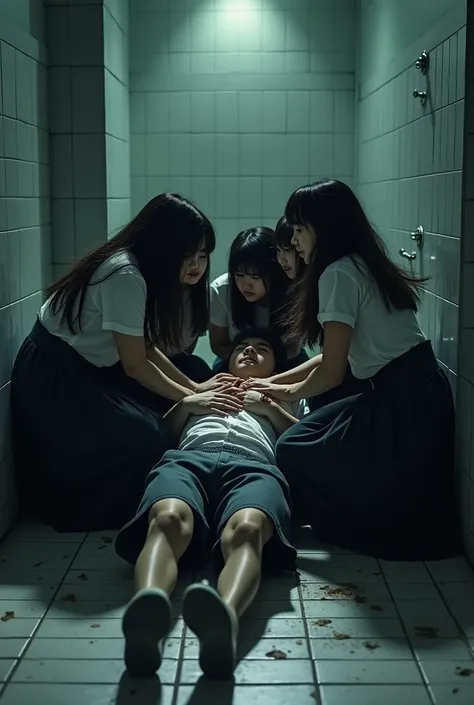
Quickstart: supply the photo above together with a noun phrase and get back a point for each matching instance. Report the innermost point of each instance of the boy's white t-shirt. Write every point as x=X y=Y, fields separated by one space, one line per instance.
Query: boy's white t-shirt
x=221 y=312
x=348 y=294
x=244 y=430
x=115 y=300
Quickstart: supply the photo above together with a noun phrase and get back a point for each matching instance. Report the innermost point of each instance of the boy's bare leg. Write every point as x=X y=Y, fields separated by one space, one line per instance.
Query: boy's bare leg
x=242 y=541
x=147 y=618
x=170 y=530
x=213 y=616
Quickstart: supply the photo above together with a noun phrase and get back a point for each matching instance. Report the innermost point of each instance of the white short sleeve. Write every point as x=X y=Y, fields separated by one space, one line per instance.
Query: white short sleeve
x=339 y=297
x=218 y=307
x=122 y=300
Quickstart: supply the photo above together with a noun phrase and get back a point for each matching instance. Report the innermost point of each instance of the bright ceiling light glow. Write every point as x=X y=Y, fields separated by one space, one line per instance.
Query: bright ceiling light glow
x=238 y=11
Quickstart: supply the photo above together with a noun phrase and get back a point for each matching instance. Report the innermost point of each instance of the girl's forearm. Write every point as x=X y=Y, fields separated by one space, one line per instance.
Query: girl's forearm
x=299 y=373
x=164 y=364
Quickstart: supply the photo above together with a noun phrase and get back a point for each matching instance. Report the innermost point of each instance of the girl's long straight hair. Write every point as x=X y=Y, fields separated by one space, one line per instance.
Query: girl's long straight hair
x=166 y=231
x=342 y=229
x=253 y=252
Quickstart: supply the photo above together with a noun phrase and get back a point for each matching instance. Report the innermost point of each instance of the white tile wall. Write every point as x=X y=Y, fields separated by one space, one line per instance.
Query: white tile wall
x=466 y=323
x=89 y=106
x=411 y=161
x=117 y=121
x=236 y=104
x=25 y=256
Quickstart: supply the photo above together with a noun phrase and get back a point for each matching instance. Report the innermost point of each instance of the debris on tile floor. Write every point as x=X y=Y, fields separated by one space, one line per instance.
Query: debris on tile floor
x=346 y=629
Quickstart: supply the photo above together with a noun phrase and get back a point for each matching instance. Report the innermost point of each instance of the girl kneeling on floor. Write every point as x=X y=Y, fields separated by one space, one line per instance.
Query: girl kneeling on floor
x=253 y=292
x=373 y=470
x=91 y=378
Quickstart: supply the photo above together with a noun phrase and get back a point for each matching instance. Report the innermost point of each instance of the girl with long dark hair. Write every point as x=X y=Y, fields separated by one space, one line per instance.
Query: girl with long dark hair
x=287 y=257
x=92 y=377
x=253 y=292
x=371 y=471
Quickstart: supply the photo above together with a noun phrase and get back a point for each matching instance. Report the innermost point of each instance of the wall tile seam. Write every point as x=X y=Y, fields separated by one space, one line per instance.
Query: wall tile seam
x=107 y=9
x=114 y=75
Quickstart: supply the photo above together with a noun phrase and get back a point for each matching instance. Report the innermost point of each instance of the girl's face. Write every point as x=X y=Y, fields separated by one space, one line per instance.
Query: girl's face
x=303 y=240
x=194 y=267
x=286 y=257
x=251 y=286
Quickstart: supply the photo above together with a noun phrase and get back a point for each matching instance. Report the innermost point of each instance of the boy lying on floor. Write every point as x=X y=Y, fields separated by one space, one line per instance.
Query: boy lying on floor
x=221 y=483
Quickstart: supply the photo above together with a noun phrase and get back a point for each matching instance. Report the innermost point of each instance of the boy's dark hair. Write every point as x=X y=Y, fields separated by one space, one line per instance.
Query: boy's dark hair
x=270 y=336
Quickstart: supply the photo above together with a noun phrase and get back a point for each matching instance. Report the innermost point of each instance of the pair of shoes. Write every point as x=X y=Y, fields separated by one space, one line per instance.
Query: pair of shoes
x=147 y=621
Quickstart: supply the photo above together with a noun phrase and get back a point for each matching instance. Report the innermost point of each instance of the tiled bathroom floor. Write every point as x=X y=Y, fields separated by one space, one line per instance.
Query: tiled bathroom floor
x=352 y=632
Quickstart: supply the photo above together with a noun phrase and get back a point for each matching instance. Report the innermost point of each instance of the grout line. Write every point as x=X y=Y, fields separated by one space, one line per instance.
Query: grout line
x=463 y=636
x=406 y=633
x=317 y=693
x=29 y=640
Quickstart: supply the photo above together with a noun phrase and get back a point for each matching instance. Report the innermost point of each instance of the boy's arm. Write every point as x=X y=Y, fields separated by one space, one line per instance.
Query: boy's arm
x=177 y=418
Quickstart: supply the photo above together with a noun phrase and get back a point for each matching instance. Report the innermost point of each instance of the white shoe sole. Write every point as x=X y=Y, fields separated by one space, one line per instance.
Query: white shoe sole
x=207 y=616
x=147 y=620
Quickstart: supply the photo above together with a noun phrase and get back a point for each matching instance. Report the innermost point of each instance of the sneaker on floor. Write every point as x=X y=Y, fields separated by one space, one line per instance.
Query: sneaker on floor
x=215 y=625
x=146 y=622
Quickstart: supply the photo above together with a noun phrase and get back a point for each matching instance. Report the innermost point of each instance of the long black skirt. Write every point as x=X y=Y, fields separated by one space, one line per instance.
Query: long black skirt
x=85 y=437
x=374 y=472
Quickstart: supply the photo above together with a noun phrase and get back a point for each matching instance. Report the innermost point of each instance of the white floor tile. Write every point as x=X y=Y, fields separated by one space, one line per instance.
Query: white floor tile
x=370 y=672
x=258 y=628
x=357 y=628
x=402 y=572
x=35 y=590
x=80 y=610
x=128 y=693
x=374 y=695
x=347 y=609
x=30 y=531
x=99 y=556
x=440 y=649
x=258 y=672
x=462 y=694
x=207 y=693
x=82 y=671
x=79 y=577
x=457 y=592
x=370 y=592
x=276 y=609
x=39 y=557
x=357 y=643
x=16 y=628
x=11 y=648
x=6 y=666
x=452 y=570
x=442 y=672
x=361 y=649
x=414 y=591
x=101 y=536
x=75 y=649
x=285 y=648
x=88 y=628
x=422 y=618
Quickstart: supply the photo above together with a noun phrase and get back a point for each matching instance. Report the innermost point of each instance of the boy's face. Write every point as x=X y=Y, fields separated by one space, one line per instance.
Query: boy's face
x=252 y=357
